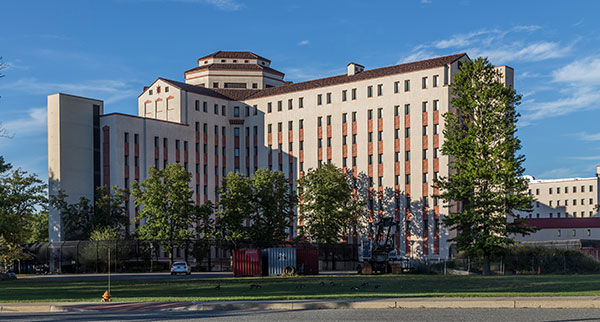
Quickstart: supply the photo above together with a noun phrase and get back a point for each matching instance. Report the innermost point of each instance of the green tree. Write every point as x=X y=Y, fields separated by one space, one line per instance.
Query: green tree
x=236 y=206
x=81 y=218
x=38 y=226
x=205 y=231
x=486 y=177
x=21 y=196
x=265 y=200
x=327 y=205
x=273 y=204
x=167 y=212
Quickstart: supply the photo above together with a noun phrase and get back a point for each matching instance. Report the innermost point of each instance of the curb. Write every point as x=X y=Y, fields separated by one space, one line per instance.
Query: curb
x=402 y=303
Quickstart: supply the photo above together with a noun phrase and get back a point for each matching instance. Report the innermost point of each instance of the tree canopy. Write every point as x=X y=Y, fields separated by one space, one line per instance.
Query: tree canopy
x=80 y=219
x=167 y=212
x=486 y=176
x=265 y=201
x=327 y=206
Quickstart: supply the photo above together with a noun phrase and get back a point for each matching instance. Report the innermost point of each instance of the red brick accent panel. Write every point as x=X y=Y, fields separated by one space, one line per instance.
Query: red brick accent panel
x=106 y=155
x=424 y=119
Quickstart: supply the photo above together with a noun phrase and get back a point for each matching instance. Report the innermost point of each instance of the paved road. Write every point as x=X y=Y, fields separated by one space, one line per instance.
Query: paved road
x=134 y=276
x=413 y=315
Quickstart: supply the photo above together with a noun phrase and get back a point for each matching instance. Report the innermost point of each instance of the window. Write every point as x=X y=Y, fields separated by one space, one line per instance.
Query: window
x=370 y=159
x=279 y=106
x=425 y=154
x=328 y=119
x=537 y=192
x=205 y=107
x=197 y=105
x=591 y=188
x=582 y=188
x=150 y=93
x=300 y=102
x=328 y=142
x=379 y=89
x=550 y=190
x=353 y=93
x=406 y=109
x=236 y=131
x=558 y=233
x=255 y=108
x=301 y=124
x=582 y=202
x=290 y=125
x=136 y=138
x=407 y=132
x=407 y=179
x=397 y=157
x=215 y=85
x=436 y=105
x=353 y=161
x=320 y=143
x=344 y=117
x=407 y=156
x=344 y=94
x=407 y=85
x=380 y=135
x=574 y=202
x=328 y=98
x=370 y=114
x=216 y=109
x=436 y=80
x=269 y=107
x=425 y=106
x=254 y=85
x=290 y=104
x=236 y=111
x=353 y=138
x=353 y=116
x=436 y=129
x=247 y=110
x=566 y=189
x=279 y=127
x=379 y=113
x=319 y=99
x=369 y=91
x=319 y=121
x=370 y=136
x=436 y=152
x=558 y=190
x=574 y=233
x=269 y=128
x=550 y=203
x=397 y=110
x=425 y=83
x=396 y=87
x=424 y=130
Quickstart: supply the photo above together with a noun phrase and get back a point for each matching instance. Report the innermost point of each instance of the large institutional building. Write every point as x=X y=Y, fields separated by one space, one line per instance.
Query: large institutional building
x=234 y=112
x=564 y=209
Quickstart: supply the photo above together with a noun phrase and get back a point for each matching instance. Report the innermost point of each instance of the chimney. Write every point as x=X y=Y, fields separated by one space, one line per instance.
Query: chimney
x=354 y=68
x=598 y=171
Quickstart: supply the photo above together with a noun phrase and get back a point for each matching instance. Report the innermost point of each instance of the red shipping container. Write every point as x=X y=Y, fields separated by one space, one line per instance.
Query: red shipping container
x=247 y=262
x=307 y=261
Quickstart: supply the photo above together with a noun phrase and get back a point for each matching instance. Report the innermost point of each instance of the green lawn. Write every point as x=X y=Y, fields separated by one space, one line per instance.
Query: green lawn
x=278 y=288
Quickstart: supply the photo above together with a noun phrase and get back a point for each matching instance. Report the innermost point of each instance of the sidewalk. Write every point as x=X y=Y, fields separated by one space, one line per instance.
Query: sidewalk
x=571 y=302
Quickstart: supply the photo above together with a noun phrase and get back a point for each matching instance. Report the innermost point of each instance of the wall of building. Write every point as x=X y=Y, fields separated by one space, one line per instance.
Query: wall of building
x=70 y=151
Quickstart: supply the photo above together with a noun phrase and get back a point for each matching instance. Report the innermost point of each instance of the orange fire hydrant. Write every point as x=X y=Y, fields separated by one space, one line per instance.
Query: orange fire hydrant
x=106 y=297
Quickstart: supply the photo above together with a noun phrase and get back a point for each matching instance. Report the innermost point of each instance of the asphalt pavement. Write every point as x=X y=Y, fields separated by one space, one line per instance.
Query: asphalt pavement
x=346 y=315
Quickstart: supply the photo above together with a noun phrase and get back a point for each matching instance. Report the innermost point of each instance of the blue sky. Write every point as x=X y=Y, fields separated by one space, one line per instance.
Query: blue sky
x=110 y=49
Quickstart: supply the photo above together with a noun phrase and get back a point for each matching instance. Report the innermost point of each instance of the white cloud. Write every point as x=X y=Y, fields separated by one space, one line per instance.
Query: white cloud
x=589 y=136
x=109 y=91
x=532 y=52
x=303 y=43
x=226 y=5
x=584 y=71
x=559 y=173
x=425 y=1
x=416 y=56
x=578 y=99
x=35 y=122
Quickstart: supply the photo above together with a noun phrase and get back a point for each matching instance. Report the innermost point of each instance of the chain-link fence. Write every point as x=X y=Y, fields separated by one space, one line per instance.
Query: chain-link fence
x=143 y=256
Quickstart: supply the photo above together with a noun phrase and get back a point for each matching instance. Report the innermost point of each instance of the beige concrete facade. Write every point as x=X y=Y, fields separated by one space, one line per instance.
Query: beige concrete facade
x=564 y=209
x=383 y=126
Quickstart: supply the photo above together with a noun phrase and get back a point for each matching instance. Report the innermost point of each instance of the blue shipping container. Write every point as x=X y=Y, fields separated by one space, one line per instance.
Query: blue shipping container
x=279 y=258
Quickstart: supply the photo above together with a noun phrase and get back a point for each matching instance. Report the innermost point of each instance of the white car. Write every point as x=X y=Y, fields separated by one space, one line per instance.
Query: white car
x=181 y=268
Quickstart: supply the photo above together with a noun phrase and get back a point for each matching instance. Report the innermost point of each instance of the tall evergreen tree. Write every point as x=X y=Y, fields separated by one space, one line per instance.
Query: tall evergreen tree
x=486 y=176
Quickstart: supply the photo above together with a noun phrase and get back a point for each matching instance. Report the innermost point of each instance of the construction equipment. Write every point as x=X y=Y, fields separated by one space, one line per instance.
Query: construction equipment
x=379 y=254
